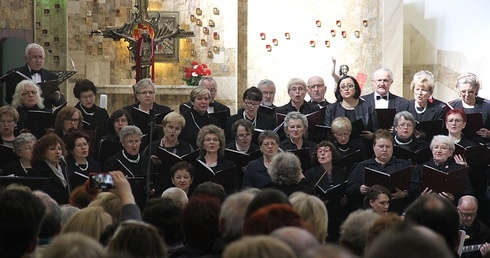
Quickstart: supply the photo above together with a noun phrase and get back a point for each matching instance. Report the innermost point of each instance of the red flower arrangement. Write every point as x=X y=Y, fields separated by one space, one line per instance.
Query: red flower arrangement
x=194 y=73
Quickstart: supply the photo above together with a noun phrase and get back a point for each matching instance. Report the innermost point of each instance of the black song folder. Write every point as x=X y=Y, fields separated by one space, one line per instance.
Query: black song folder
x=399 y=179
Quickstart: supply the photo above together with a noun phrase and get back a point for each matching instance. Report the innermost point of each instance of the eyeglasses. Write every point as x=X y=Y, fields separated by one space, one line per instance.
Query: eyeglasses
x=72 y=120
x=90 y=96
x=40 y=58
x=27 y=93
x=342 y=134
x=297 y=89
x=316 y=86
x=146 y=93
x=466 y=215
x=211 y=140
x=244 y=136
x=407 y=125
x=251 y=104
x=347 y=87
x=420 y=90
x=7 y=122
x=323 y=150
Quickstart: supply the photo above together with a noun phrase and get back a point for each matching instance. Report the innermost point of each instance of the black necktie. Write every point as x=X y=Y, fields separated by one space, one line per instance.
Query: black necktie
x=34 y=72
x=381 y=97
x=211 y=104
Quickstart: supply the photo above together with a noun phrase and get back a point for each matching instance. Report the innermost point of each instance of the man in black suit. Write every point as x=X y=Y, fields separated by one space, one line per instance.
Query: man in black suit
x=35 y=56
x=214 y=106
x=382 y=98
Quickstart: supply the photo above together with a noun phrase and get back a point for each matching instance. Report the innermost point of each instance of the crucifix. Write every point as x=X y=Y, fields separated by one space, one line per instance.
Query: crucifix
x=143 y=34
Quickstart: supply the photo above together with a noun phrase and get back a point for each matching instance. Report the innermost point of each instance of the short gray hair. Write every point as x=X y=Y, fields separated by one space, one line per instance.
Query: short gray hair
x=232 y=213
x=285 y=169
x=383 y=69
x=22 y=139
x=405 y=114
x=129 y=130
x=266 y=82
x=142 y=84
x=177 y=195
x=33 y=46
x=444 y=139
x=296 y=115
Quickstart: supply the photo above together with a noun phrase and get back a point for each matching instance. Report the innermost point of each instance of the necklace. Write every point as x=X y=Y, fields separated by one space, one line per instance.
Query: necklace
x=82 y=167
x=417 y=110
x=131 y=160
x=22 y=165
x=254 y=120
x=402 y=143
x=343 y=150
x=85 y=111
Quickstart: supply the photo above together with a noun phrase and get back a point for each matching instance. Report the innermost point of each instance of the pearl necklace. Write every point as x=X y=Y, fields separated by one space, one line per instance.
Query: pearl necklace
x=402 y=143
x=422 y=111
x=81 y=168
x=131 y=160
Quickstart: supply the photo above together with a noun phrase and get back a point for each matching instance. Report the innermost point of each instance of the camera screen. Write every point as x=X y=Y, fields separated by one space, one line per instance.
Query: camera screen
x=101 y=181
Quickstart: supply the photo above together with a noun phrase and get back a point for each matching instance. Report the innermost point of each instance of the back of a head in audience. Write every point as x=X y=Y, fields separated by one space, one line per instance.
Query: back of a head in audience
x=200 y=222
x=300 y=240
x=74 y=245
x=20 y=221
x=438 y=214
x=328 y=251
x=313 y=212
x=408 y=241
x=258 y=247
x=82 y=195
x=110 y=203
x=51 y=225
x=271 y=217
x=67 y=211
x=166 y=215
x=91 y=221
x=264 y=198
x=138 y=239
x=232 y=213
x=354 y=230
x=176 y=194
x=381 y=225
x=210 y=189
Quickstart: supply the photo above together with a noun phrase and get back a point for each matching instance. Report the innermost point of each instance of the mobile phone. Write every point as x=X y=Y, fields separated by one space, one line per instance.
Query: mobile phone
x=101 y=181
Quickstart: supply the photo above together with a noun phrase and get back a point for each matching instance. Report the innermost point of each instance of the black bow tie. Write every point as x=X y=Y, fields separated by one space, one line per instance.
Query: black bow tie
x=382 y=97
x=34 y=72
x=211 y=104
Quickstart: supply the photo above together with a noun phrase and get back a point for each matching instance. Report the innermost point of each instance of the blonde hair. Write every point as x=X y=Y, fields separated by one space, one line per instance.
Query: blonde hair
x=75 y=245
x=110 y=203
x=91 y=221
x=261 y=246
x=313 y=211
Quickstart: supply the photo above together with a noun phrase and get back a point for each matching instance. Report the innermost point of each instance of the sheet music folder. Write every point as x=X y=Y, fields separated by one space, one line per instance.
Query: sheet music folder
x=474 y=122
x=226 y=177
x=474 y=155
x=385 y=117
x=420 y=156
x=399 y=179
x=35 y=183
x=438 y=181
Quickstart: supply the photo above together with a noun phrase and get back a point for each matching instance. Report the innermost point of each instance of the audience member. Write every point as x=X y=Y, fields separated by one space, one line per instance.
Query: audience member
x=74 y=245
x=20 y=223
x=166 y=215
x=51 y=225
x=286 y=175
x=259 y=247
x=354 y=230
x=177 y=195
x=264 y=198
x=90 y=221
x=137 y=239
x=313 y=212
x=210 y=189
x=300 y=240
x=271 y=217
